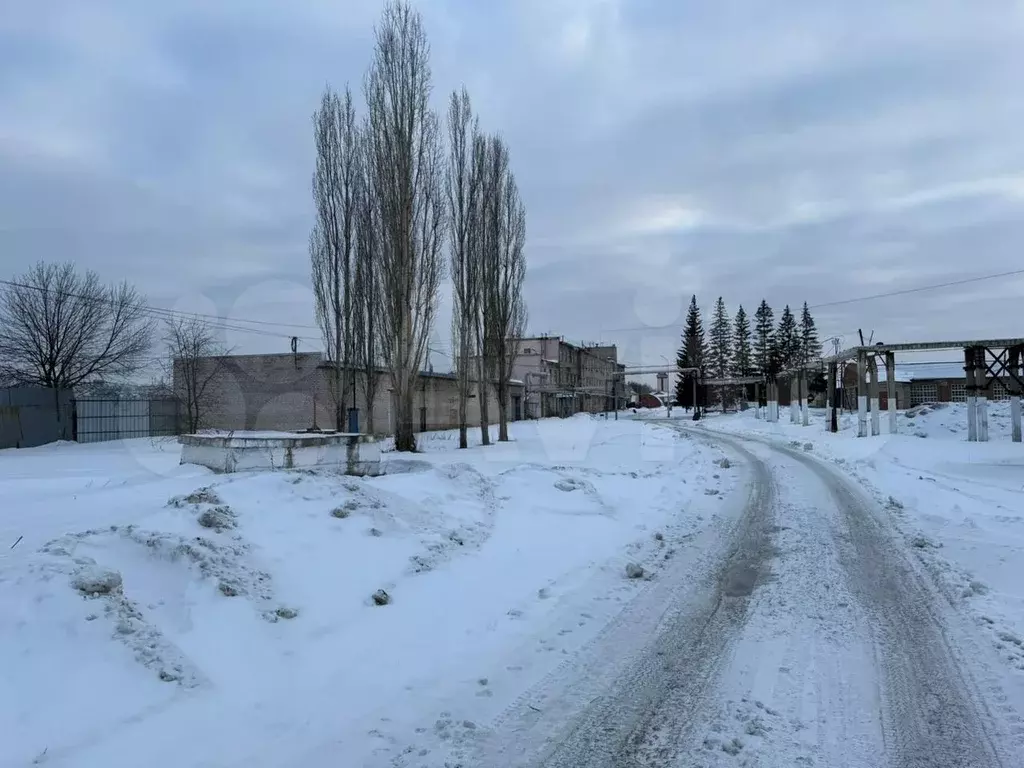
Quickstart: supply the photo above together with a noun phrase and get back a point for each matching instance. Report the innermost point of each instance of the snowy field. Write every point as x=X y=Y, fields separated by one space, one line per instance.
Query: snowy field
x=160 y=615
x=959 y=505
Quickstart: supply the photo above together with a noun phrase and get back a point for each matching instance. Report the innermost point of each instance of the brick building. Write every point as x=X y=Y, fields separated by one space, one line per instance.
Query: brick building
x=293 y=391
x=561 y=378
x=918 y=383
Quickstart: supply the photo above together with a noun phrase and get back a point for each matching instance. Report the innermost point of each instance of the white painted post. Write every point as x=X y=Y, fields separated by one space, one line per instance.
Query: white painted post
x=972 y=416
x=890 y=385
x=794 y=398
x=862 y=394
x=876 y=427
x=980 y=381
x=773 y=401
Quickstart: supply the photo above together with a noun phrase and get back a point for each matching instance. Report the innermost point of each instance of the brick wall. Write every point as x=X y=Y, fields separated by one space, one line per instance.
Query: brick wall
x=278 y=392
x=260 y=392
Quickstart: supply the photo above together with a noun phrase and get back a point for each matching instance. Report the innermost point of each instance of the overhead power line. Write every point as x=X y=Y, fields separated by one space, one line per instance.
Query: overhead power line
x=920 y=289
x=159 y=313
x=840 y=302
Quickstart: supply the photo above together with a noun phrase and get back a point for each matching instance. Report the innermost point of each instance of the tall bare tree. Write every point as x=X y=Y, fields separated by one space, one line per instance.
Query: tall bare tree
x=463 y=199
x=368 y=289
x=481 y=266
x=193 y=347
x=504 y=256
x=407 y=166
x=332 y=242
x=60 y=328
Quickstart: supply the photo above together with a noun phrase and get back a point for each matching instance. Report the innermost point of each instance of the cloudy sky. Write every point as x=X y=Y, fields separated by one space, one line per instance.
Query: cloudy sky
x=806 y=150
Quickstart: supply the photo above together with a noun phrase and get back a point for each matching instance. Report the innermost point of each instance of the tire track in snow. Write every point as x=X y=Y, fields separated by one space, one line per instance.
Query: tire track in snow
x=637 y=718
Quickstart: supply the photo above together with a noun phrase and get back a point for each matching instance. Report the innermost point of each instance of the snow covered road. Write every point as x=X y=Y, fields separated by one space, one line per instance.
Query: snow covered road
x=805 y=635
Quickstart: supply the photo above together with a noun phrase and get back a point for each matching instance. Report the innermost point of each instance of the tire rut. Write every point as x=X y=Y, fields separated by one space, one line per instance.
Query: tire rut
x=640 y=722
x=934 y=715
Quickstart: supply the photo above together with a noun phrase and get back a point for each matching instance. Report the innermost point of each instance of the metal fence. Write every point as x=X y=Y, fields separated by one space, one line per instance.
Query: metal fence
x=100 y=419
x=31 y=416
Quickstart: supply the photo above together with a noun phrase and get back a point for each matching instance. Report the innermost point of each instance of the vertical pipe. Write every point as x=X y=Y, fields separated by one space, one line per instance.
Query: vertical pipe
x=832 y=424
x=1014 y=373
x=972 y=416
x=862 y=393
x=890 y=387
x=876 y=427
x=981 y=382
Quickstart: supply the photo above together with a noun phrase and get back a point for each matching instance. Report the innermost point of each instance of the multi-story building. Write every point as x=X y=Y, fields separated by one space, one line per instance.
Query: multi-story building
x=561 y=378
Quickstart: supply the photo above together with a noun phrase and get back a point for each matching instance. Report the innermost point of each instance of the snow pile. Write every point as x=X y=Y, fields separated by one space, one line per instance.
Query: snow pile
x=158 y=614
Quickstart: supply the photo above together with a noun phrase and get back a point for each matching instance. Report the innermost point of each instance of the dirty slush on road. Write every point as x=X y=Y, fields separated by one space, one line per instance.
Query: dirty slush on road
x=806 y=591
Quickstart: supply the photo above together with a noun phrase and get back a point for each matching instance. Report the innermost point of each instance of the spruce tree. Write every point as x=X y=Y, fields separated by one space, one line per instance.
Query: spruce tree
x=810 y=347
x=691 y=354
x=719 y=352
x=764 y=340
x=787 y=341
x=742 y=353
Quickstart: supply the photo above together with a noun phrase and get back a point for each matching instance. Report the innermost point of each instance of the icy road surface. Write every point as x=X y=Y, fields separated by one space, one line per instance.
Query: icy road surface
x=804 y=635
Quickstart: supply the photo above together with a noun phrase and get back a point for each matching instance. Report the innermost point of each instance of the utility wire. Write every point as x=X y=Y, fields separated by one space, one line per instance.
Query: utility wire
x=887 y=294
x=919 y=289
x=160 y=313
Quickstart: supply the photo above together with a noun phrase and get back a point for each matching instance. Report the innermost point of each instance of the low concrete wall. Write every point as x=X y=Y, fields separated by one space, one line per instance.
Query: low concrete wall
x=241 y=452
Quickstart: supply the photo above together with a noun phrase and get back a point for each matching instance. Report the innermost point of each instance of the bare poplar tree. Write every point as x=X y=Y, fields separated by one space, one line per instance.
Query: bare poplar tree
x=407 y=166
x=504 y=240
x=369 y=299
x=463 y=198
x=332 y=241
x=61 y=329
x=481 y=266
x=193 y=348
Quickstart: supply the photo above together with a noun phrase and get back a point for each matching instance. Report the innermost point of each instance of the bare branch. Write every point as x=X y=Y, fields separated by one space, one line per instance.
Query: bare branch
x=195 y=353
x=332 y=242
x=62 y=329
x=407 y=166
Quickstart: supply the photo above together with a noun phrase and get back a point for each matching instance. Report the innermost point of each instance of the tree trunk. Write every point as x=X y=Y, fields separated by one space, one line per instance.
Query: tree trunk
x=502 y=414
x=485 y=429
x=463 y=418
x=405 y=428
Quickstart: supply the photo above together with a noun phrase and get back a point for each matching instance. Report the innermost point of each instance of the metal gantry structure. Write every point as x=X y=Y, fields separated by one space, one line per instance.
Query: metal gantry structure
x=999 y=358
x=985 y=361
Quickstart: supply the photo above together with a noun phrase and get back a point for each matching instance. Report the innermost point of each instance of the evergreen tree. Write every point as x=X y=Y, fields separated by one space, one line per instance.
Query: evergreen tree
x=787 y=341
x=690 y=355
x=742 y=353
x=719 y=352
x=810 y=347
x=764 y=340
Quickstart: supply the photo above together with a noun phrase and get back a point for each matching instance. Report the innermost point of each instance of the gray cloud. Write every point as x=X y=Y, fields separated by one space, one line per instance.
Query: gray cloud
x=810 y=151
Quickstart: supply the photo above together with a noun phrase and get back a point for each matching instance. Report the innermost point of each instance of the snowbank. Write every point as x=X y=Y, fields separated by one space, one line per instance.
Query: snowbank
x=161 y=615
